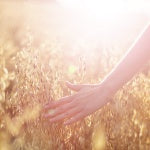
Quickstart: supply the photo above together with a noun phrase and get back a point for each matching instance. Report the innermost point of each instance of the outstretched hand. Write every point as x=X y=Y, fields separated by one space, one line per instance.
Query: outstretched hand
x=88 y=99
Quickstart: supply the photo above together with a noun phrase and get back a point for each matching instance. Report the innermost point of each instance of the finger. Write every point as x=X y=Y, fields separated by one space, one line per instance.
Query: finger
x=76 y=87
x=64 y=115
x=61 y=109
x=54 y=104
x=78 y=117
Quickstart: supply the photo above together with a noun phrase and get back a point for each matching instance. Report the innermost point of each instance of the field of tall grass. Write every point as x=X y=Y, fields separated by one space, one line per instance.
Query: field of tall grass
x=41 y=46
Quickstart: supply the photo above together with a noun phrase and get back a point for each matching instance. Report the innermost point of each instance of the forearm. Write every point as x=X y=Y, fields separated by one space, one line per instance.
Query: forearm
x=131 y=63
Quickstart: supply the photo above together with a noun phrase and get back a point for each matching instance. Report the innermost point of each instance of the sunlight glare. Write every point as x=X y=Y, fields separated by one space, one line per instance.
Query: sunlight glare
x=107 y=8
x=95 y=8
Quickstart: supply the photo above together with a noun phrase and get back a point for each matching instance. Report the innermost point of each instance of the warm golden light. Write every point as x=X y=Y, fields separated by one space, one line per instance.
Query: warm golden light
x=44 y=43
x=107 y=7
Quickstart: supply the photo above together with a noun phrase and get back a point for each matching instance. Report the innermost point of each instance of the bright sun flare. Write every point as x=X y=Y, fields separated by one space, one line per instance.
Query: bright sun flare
x=107 y=8
x=106 y=15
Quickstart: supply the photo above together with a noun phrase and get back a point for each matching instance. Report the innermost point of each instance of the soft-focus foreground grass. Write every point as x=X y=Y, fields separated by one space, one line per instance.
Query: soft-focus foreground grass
x=43 y=45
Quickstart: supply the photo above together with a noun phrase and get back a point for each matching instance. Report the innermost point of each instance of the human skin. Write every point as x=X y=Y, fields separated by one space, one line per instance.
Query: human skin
x=90 y=98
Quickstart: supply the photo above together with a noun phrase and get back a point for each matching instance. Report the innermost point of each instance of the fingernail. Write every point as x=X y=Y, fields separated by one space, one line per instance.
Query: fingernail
x=67 y=82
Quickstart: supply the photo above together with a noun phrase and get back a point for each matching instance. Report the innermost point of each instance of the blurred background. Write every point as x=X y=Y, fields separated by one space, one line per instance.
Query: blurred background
x=46 y=42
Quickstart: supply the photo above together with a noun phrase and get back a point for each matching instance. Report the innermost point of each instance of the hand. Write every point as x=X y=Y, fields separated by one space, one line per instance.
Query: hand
x=87 y=100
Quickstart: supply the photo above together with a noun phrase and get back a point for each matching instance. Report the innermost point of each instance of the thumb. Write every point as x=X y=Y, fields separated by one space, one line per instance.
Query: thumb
x=74 y=87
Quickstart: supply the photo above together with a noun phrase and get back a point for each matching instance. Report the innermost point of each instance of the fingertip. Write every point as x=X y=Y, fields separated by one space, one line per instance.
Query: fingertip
x=72 y=86
x=48 y=106
x=68 y=83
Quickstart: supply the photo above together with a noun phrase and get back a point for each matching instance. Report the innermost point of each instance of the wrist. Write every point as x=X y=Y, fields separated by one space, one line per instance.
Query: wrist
x=109 y=86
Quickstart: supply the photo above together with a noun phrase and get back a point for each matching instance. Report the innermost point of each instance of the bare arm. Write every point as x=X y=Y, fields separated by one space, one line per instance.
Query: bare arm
x=90 y=98
x=130 y=64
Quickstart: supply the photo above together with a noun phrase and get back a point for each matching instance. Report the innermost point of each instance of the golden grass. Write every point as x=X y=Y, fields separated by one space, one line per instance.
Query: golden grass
x=31 y=68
